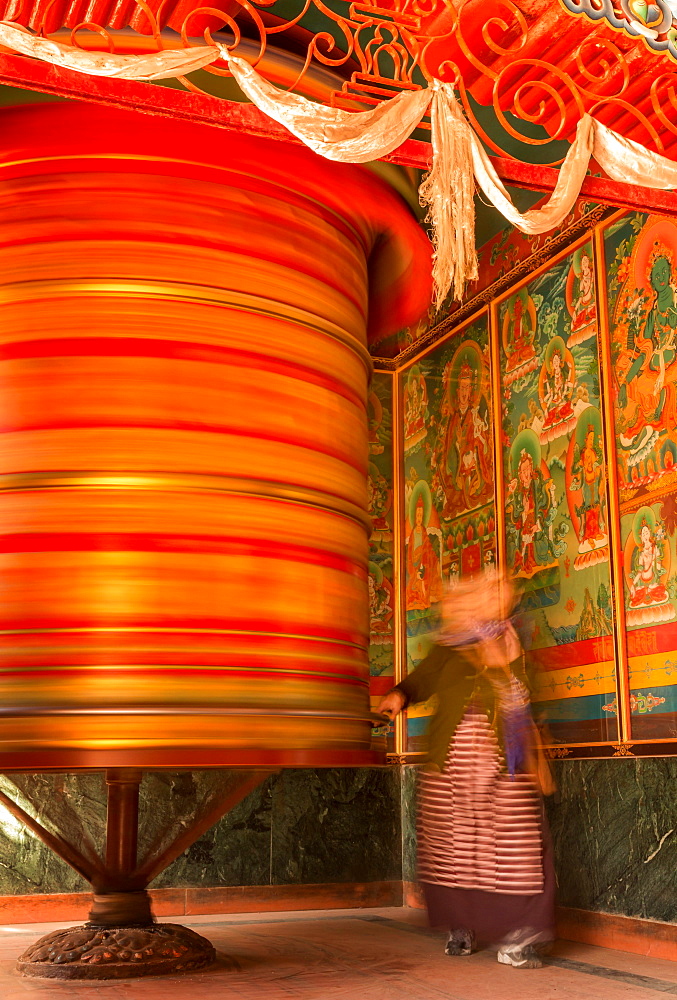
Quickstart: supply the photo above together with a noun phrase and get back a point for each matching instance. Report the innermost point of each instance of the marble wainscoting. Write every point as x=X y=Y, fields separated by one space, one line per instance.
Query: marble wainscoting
x=614 y=827
x=70 y=804
x=302 y=827
x=408 y=796
x=299 y=827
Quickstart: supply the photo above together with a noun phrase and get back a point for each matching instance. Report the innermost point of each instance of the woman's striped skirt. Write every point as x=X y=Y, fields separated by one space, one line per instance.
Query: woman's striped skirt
x=483 y=848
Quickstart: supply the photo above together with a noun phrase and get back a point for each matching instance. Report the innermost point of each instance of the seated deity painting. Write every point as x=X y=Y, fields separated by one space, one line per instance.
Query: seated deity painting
x=580 y=297
x=466 y=467
x=586 y=489
x=644 y=331
x=647 y=569
x=519 y=334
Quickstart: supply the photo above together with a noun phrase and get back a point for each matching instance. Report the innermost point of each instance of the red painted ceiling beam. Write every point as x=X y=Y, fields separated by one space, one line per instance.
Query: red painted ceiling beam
x=32 y=74
x=597 y=189
x=130 y=95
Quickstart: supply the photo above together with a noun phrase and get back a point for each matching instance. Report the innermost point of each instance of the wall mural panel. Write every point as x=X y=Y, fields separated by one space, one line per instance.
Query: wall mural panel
x=561 y=527
x=641 y=255
x=381 y=570
x=554 y=484
x=449 y=484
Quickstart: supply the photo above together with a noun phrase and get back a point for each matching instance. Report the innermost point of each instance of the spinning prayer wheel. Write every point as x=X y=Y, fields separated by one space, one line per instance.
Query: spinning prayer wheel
x=184 y=354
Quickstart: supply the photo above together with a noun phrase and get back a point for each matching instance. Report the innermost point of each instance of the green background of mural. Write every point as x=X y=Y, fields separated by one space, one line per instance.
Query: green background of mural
x=554 y=479
x=448 y=464
x=555 y=497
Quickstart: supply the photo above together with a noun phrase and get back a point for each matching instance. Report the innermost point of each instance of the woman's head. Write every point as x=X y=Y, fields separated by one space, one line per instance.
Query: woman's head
x=476 y=614
x=486 y=597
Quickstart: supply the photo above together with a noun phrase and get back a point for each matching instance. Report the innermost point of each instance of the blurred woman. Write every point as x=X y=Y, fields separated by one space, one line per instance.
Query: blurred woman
x=483 y=847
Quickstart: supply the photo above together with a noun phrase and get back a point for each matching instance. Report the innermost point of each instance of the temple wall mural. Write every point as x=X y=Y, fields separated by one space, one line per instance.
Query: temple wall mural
x=381 y=569
x=640 y=253
x=554 y=494
x=448 y=497
x=566 y=384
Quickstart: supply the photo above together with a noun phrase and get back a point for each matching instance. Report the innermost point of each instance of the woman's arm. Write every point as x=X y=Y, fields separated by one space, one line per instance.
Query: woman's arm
x=419 y=685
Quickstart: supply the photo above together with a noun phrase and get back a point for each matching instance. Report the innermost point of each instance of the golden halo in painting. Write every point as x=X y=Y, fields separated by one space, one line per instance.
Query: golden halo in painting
x=467 y=364
x=420 y=495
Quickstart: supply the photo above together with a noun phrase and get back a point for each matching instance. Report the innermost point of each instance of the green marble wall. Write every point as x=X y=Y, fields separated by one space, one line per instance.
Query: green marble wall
x=408 y=796
x=613 y=822
x=614 y=830
x=614 y=827
x=299 y=826
x=302 y=827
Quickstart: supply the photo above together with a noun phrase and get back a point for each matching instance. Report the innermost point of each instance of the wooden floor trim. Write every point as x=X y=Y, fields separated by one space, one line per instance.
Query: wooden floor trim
x=652 y=938
x=47 y=907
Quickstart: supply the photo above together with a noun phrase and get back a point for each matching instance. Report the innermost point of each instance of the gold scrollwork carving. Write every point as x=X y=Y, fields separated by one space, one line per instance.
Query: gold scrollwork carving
x=352 y=54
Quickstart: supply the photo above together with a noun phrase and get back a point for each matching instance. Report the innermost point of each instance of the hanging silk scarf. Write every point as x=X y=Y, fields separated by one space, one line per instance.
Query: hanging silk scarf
x=458 y=161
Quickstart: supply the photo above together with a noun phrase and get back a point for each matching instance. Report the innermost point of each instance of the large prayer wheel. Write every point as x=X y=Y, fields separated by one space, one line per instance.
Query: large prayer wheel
x=183 y=377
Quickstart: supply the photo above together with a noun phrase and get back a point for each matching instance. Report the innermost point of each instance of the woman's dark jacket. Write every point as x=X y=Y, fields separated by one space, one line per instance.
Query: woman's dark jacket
x=453 y=674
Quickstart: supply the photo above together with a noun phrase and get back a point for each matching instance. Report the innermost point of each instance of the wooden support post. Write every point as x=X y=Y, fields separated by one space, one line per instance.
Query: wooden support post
x=121 y=938
x=122 y=821
x=119 y=898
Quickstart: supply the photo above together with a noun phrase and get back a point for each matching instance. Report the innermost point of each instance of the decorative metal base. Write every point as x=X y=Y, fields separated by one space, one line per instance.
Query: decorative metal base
x=121 y=939
x=116 y=953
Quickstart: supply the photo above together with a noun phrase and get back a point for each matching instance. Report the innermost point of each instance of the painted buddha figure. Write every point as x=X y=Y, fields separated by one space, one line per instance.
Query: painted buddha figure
x=467 y=475
x=424 y=580
x=592 y=486
x=522 y=336
x=647 y=570
x=558 y=391
x=415 y=409
x=661 y=323
x=525 y=514
x=584 y=308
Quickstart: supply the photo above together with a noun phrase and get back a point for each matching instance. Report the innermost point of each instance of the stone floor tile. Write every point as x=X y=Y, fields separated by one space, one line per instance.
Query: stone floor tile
x=353 y=955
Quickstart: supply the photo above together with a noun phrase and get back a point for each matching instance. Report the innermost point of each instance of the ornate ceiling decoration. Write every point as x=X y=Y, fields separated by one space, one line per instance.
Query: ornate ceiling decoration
x=538 y=65
x=655 y=22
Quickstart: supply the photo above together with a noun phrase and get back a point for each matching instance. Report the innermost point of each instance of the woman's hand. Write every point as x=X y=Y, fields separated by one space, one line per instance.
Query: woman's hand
x=392 y=704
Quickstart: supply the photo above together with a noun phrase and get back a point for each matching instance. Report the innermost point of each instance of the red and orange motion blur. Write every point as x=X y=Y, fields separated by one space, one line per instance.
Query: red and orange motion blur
x=184 y=369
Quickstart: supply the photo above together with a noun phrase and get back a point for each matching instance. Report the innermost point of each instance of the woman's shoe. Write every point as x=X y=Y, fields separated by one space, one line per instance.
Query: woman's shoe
x=520 y=956
x=460 y=942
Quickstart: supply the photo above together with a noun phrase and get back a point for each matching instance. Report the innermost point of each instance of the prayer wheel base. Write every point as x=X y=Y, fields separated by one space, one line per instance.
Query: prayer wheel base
x=121 y=939
x=88 y=952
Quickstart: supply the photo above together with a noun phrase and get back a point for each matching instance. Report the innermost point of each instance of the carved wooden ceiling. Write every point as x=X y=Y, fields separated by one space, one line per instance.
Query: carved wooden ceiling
x=538 y=65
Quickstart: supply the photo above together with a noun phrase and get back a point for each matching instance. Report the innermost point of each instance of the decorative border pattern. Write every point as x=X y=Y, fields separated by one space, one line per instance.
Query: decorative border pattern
x=607 y=751
x=474 y=304
x=618 y=62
